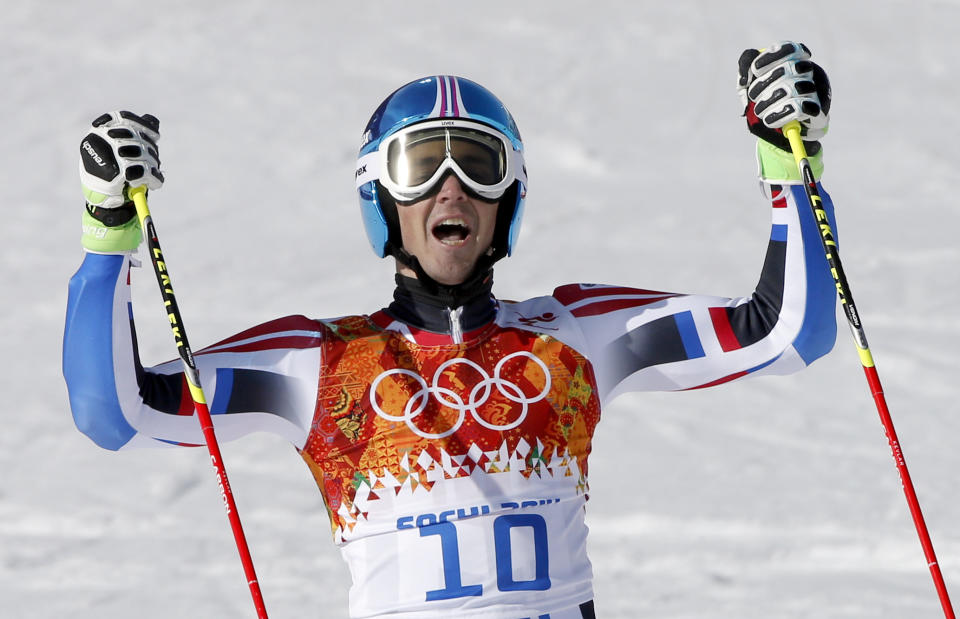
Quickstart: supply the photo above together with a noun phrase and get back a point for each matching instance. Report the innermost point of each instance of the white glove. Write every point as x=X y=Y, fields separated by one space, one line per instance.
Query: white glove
x=119 y=152
x=779 y=85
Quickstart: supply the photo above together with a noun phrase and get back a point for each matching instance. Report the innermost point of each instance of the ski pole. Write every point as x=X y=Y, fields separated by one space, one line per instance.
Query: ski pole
x=792 y=132
x=139 y=196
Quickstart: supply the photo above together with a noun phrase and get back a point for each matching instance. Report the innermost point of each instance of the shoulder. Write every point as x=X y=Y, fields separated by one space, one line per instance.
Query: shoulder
x=536 y=313
x=546 y=316
x=572 y=301
x=295 y=331
x=348 y=328
x=582 y=300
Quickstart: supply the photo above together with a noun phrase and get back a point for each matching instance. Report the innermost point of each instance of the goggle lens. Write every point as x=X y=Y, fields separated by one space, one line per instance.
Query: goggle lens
x=413 y=158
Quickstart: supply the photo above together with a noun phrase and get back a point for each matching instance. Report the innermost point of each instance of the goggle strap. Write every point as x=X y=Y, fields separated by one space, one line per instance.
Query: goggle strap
x=368 y=168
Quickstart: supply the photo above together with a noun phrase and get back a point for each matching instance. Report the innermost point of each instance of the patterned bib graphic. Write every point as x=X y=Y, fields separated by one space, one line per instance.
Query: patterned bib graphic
x=395 y=418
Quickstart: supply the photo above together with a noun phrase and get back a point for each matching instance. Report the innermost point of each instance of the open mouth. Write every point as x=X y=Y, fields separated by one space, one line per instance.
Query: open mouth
x=452 y=231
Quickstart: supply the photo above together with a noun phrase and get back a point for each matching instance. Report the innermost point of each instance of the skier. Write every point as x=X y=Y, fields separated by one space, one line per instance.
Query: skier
x=449 y=432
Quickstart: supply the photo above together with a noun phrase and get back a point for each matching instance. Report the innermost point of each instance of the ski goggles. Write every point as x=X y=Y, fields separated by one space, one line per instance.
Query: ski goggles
x=410 y=162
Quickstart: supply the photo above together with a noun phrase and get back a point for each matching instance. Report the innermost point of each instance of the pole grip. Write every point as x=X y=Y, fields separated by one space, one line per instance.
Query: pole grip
x=792 y=131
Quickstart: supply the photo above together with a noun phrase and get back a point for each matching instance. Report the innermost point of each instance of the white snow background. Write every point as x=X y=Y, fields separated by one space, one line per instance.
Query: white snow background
x=774 y=497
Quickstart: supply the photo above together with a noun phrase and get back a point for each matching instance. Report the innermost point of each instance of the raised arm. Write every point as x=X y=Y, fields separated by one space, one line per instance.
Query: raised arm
x=261 y=380
x=644 y=340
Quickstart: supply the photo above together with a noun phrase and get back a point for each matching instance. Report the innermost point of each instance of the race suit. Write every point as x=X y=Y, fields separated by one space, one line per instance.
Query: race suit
x=451 y=445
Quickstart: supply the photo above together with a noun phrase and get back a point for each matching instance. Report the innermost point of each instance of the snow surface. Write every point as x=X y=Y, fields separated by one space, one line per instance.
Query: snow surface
x=776 y=497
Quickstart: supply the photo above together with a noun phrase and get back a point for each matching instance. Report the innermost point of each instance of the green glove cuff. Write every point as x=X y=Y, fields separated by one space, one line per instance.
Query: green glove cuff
x=779 y=166
x=93 y=197
x=102 y=239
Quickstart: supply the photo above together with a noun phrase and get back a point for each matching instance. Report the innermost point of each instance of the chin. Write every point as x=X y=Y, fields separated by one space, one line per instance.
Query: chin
x=450 y=276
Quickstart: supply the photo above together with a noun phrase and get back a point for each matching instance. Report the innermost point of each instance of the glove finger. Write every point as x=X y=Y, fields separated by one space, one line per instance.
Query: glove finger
x=781 y=53
x=152 y=122
x=744 y=64
x=782 y=107
x=147 y=126
x=102 y=119
x=822 y=84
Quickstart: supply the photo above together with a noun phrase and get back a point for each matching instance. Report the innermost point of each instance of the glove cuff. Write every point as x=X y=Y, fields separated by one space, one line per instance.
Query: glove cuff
x=776 y=165
x=100 y=238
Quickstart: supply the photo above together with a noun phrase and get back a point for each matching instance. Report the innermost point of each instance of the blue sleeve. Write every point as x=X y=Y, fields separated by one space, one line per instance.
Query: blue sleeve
x=819 y=331
x=88 y=351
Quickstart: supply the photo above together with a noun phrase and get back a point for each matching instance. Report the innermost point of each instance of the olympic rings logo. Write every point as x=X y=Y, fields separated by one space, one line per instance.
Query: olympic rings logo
x=447 y=398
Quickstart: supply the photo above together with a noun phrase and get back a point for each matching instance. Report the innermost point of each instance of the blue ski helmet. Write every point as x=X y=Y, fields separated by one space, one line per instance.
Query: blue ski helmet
x=428 y=99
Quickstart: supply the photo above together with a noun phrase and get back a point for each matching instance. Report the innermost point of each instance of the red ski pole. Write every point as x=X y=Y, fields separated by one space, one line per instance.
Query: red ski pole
x=792 y=132
x=139 y=196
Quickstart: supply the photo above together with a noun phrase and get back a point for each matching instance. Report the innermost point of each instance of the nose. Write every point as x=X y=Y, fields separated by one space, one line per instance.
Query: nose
x=451 y=190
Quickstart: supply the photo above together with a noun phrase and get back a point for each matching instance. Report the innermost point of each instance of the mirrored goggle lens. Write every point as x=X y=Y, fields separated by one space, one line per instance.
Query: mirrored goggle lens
x=412 y=159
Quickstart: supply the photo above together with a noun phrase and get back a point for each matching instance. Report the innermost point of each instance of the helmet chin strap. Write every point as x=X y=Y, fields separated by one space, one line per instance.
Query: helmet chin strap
x=453 y=295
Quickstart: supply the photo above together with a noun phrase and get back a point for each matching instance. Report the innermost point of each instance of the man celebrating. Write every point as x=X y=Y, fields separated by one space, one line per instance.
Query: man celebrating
x=449 y=432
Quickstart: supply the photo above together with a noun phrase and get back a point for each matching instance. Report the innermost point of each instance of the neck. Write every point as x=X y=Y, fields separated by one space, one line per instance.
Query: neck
x=429 y=306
